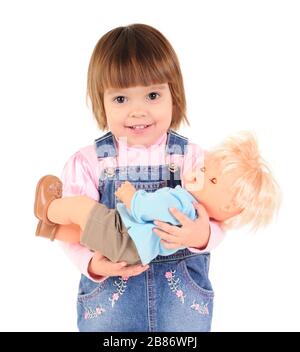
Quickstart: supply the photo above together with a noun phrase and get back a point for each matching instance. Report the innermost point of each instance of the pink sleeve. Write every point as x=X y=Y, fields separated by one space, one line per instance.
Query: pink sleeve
x=216 y=236
x=79 y=178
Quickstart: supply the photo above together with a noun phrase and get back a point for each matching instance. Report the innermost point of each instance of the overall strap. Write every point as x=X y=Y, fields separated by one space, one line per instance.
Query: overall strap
x=106 y=146
x=176 y=147
x=176 y=144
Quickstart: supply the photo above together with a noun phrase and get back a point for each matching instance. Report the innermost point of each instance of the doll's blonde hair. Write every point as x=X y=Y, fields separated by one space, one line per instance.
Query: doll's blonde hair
x=135 y=55
x=255 y=190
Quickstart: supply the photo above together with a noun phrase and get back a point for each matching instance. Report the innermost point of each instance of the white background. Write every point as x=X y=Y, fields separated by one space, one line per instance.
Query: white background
x=240 y=61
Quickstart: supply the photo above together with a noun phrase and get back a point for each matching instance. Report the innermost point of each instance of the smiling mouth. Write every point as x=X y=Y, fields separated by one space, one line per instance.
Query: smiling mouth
x=138 y=127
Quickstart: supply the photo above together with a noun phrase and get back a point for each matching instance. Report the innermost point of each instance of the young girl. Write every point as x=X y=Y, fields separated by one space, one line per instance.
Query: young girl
x=237 y=189
x=136 y=91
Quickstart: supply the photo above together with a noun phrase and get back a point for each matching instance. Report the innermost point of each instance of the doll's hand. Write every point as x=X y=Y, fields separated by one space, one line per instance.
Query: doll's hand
x=101 y=266
x=192 y=233
x=125 y=193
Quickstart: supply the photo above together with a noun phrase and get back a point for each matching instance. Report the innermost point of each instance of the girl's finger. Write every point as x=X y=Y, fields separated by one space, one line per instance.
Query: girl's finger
x=165 y=236
x=182 y=218
x=171 y=245
x=171 y=229
x=133 y=270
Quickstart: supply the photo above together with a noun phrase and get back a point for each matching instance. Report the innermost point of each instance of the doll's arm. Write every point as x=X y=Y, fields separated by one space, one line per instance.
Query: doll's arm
x=125 y=193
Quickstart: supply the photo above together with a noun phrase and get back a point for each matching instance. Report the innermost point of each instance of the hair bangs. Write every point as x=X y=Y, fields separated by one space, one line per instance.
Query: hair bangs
x=134 y=69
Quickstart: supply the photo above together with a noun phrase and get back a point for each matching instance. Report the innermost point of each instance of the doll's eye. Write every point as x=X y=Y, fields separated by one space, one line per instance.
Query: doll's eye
x=213 y=180
x=203 y=169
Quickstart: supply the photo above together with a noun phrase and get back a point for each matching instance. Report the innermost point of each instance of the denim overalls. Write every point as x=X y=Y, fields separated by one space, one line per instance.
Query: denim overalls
x=175 y=293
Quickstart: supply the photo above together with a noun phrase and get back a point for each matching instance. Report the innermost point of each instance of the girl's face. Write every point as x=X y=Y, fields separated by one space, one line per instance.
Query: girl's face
x=141 y=114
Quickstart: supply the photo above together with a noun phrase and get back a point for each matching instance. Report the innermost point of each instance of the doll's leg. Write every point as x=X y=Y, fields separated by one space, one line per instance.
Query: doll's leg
x=70 y=210
x=68 y=233
x=106 y=233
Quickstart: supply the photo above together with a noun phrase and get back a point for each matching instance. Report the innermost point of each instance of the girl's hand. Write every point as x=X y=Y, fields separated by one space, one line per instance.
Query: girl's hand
x=192 y=233
x=101 y=266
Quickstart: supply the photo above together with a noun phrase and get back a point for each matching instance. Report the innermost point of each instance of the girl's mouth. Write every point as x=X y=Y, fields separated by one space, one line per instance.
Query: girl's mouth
x=138 y=127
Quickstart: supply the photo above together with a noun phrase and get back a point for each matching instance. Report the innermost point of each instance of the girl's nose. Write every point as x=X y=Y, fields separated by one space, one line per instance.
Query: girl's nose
x=137 y=113
x=137 y=109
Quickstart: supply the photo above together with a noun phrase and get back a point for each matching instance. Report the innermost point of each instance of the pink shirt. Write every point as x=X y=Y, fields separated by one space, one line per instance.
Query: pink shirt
x=81 y=177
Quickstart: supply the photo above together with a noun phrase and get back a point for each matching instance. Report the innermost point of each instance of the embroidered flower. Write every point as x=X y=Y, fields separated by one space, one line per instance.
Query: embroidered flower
x=201 y=308
x=115 y=296
x=179 y=293
x=168 y=275
x=174 y=285
x=99 y=310
x=93 y=313
x=121 y=285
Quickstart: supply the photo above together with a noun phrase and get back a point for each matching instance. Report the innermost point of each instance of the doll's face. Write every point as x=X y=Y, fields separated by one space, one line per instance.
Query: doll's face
x=213 y=189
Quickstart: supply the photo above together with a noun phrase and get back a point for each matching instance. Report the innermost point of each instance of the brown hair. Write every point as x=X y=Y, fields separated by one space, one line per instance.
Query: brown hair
x=134 y=55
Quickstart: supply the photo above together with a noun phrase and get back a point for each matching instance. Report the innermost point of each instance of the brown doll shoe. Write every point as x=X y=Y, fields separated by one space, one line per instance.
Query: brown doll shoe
x=48 y=188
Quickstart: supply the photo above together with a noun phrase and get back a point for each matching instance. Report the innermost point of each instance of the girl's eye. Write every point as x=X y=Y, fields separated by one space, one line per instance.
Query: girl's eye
x=213 y=180
x=153 y=95
x=120 y=99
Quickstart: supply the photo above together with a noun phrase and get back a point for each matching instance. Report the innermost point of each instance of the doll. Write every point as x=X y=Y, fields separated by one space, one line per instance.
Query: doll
x=234 y=185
